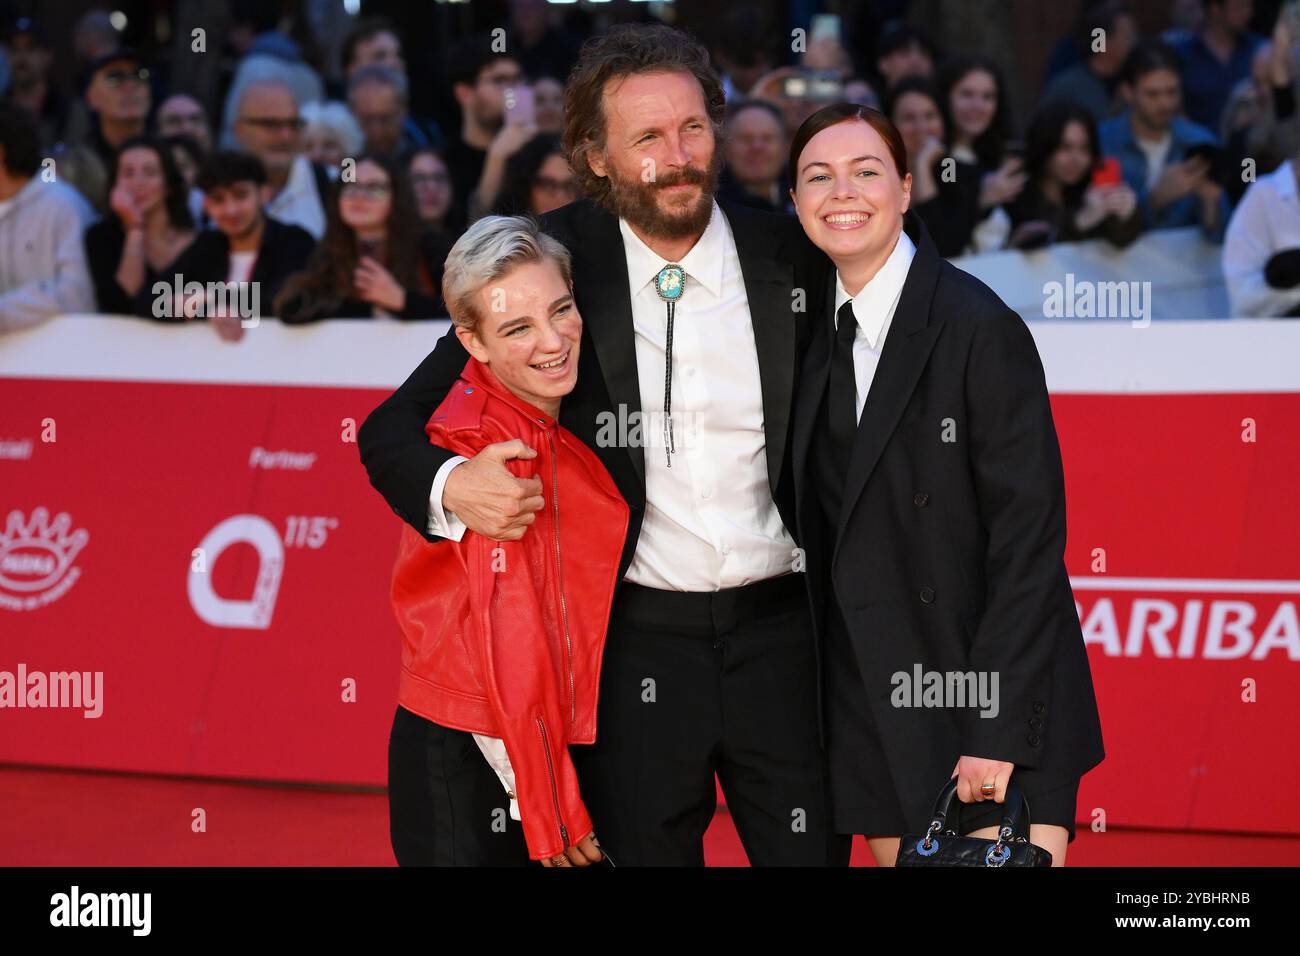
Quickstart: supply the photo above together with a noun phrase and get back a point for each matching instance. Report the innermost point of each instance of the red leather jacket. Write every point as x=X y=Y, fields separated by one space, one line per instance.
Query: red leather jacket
x=505 y=638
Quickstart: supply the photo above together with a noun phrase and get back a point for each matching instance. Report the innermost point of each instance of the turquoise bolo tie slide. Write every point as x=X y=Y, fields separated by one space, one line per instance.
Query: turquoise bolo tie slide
x=670 y=284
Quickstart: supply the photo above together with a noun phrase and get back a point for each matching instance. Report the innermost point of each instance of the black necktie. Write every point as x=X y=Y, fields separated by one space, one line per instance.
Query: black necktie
x=842 y=406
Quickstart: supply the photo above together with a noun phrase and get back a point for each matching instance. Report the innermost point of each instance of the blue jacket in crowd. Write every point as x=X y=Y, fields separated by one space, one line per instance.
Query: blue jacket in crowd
x=1118 y=140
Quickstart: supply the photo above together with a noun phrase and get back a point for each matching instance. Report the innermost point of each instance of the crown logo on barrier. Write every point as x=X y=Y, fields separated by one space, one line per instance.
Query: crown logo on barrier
x=36 y=558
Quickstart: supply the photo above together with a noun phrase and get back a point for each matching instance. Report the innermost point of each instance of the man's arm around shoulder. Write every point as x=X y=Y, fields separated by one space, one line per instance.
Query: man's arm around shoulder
x=393 y=444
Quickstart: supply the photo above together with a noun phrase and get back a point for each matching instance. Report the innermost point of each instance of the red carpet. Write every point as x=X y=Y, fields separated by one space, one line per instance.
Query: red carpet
x=73 y=818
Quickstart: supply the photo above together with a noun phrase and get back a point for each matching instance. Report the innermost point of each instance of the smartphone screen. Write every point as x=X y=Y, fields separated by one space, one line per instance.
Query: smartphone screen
x=521 y=105
x=1107 y=172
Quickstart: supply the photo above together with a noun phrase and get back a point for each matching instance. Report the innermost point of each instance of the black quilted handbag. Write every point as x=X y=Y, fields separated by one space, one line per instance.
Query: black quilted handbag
x=943 y=845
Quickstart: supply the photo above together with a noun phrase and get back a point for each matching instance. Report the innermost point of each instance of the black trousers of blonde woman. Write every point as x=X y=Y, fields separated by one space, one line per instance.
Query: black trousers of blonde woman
x=446 y=805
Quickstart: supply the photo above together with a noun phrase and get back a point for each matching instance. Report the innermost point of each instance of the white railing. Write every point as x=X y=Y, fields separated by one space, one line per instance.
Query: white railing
x=1184 y=272
x=1244 y=355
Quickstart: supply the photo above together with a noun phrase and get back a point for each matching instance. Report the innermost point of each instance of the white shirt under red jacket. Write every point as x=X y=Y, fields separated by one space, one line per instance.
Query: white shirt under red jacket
x=710 y=520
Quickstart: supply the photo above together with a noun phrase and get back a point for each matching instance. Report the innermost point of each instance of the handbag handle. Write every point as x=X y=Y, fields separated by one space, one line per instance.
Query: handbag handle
x=1014 y=815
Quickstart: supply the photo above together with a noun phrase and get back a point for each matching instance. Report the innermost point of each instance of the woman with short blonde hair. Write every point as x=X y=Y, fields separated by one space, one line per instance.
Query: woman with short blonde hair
x=489 y=249
x=503 y=639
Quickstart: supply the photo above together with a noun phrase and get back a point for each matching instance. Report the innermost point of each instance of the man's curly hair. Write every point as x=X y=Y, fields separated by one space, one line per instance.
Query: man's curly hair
x=627 y=50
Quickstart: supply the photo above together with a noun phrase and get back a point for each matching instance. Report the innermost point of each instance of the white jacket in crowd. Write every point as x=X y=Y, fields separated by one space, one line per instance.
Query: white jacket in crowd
x=42 y=258
x=1266 y=222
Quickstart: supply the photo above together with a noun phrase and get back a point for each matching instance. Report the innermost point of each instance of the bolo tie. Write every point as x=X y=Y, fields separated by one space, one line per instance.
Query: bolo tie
x=670 y=283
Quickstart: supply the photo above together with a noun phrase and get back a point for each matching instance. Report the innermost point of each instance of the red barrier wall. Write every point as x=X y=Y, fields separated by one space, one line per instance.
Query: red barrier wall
x=276 y=656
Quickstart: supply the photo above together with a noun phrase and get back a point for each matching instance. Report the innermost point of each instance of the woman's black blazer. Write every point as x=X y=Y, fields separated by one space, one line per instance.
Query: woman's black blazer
x=949 y=549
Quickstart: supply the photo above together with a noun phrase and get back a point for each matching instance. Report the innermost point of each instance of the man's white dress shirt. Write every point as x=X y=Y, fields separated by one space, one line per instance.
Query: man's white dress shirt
x=710 y=520
x=299 y=203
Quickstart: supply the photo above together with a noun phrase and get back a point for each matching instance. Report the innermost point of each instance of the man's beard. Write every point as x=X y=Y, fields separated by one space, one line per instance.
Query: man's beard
x=637 y=201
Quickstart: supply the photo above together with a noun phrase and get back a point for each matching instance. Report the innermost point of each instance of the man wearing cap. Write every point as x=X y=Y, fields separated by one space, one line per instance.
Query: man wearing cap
x=118 y=95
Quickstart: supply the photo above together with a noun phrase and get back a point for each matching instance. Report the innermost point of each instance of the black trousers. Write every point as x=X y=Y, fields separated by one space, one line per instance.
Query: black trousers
x=698 y=683
x=446 y=806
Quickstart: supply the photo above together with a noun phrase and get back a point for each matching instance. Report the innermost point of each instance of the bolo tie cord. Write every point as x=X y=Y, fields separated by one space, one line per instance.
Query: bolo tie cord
x=670 y=284
x=668 y=388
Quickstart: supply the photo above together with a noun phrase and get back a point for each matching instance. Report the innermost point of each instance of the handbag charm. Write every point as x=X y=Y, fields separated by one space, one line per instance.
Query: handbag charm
x=670 y=284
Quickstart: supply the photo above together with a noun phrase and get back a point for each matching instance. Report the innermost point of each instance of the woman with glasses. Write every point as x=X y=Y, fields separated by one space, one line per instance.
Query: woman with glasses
x=430 y=179
x=146 y=232
x=368 y=264
x=431 y=183
x=538 y=179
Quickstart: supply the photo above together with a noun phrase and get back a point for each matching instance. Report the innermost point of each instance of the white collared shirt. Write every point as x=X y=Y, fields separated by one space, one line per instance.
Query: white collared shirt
x=299 y=203
x=874 y=307
x=710 y=520
x=1266 y=221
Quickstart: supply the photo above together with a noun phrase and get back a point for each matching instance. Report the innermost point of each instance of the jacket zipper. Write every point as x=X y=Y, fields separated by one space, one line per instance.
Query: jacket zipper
x=555 y=793
x=564 y=611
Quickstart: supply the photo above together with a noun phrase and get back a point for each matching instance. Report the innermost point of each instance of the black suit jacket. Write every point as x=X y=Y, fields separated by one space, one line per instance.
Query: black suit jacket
x=782 y=273
x=949 y=549
x=104 y=242
x=284 y=251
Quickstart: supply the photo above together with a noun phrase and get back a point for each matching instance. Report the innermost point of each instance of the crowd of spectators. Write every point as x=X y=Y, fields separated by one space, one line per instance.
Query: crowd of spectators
x=337 y=200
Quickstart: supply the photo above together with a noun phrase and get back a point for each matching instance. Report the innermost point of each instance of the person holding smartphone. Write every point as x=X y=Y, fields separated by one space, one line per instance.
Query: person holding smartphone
x=518 y=130
x=1167 y=160
x=1072 y=193
x=480 y=78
